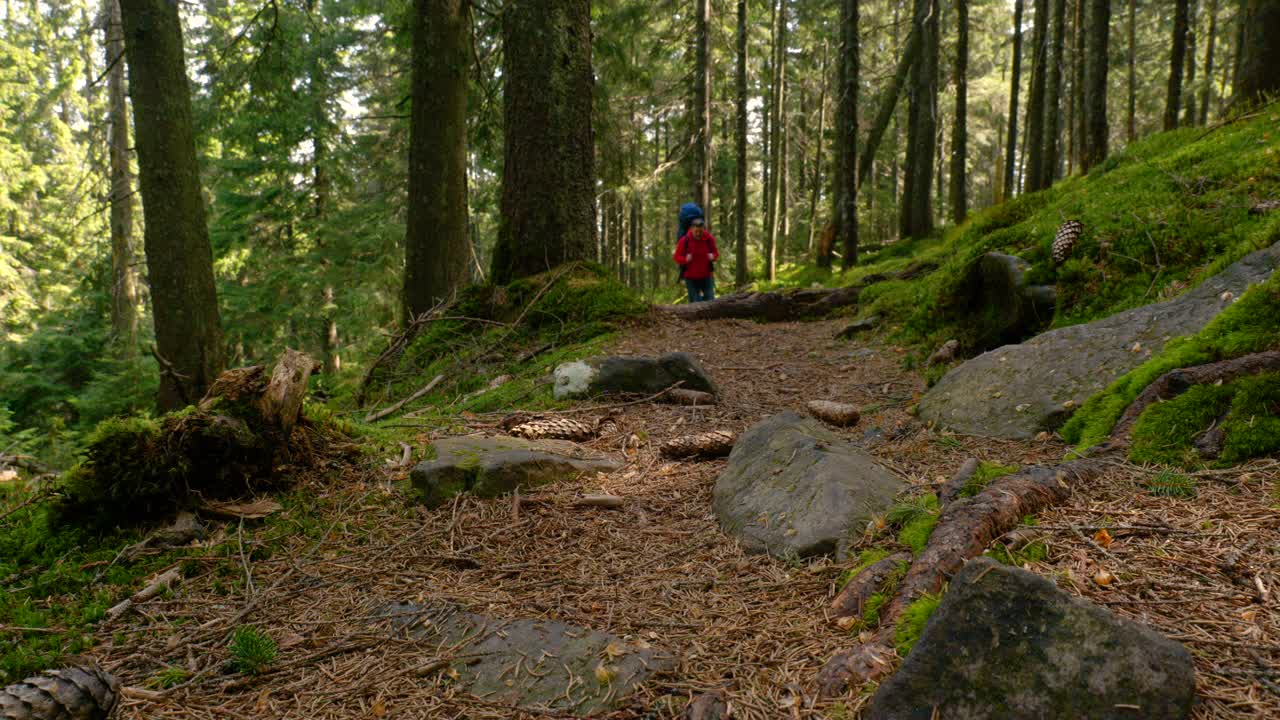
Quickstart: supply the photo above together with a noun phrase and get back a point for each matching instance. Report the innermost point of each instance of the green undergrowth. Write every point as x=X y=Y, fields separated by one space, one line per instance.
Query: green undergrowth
x=1169 y=483
x=915 y=521
x=911 y=623
x=1247 y=410
x=1032 y=552
x=986 y=473
x=1251 y=324
x=1159 y=216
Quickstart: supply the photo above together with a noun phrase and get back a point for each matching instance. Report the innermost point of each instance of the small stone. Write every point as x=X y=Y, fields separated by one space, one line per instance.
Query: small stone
x=1068 y=405
x=1226 y=296
x=1044 y=436
x=1021 y=408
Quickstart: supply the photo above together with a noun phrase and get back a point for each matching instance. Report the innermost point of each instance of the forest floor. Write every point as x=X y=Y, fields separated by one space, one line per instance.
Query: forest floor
x=660 y=570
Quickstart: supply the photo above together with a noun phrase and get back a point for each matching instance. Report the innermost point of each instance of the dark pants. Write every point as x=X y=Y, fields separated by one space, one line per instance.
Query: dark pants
x=701 y=290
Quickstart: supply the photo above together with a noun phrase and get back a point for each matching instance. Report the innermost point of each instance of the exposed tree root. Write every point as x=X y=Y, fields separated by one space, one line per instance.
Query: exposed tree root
x=964 y=530
x=769 y=306
x=853 y=598
x=1176 y=382
x=952 y=489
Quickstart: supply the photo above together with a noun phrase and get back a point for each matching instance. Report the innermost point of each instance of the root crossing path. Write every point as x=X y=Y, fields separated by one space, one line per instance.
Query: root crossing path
x=658 y=570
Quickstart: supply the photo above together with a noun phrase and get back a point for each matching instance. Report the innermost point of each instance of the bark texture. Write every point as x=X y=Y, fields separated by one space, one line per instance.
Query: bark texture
x=1036 y=99
x=702 y=110
x=1259 y=55
x=1015 y=83
x=922 y=122
x=548 y=193
x=740 y=216
x=1053 y=97
x=437 y=244
x=769 y=306
x=871 y=580
x=124 y=286
x=1097 y=64
x=179 y=258
x=1177 y=61
x=846 y=195
x=959 y=194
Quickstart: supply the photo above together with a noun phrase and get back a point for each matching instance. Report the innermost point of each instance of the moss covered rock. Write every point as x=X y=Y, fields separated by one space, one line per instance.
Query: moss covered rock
x=640 y=375
x=1005 y=643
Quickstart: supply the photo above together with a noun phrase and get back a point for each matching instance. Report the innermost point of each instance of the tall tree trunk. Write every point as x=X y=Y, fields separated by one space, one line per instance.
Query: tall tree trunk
x=1053 y=99
x=740 y=275
x=776 y=154
x=916 y=213
x=1077 y=89
x=1011 y=135
x=815 y=189
x=1132 y=124
x=1259 y=51
x=959 y=132
x=846 y=196
x=1035 y=98
x=888 y=102
x=1189 y=92
x=548 y=205
x=330 y=343
x=437 y=245
x=1095 y=100
x=124 y=285
x=1177 y=60
x=1211 y=41
x=179 y=258
x=702 y=110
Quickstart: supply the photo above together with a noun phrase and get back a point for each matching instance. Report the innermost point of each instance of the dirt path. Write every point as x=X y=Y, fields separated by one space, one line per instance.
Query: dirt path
x=658 y=570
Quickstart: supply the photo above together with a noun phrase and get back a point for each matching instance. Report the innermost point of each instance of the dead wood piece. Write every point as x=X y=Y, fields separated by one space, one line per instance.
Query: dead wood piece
x=708 y=706
x=1265 y=206
x=158 y=583
x=380 y=414
x=1210 y=443
x=184 y=529
x=600 y=501
x=1176 y=382
x=770 y=306
x=965 y=528
x=835 y=413
x=951 y=490
x=853 y=598
x=681 y=396
x=80 y=692
x=716 y=443
x=281 y=403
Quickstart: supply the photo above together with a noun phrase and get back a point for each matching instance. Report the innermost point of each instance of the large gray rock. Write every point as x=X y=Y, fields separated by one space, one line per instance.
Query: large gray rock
x=793 y=488
x=1007 y=644
x=645 y=375
x=1001 y=305
x=536 y=665
x=492 y=466
x=1018 y=390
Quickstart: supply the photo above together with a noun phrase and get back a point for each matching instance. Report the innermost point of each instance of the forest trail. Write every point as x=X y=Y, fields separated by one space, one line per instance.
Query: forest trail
x=658 y=570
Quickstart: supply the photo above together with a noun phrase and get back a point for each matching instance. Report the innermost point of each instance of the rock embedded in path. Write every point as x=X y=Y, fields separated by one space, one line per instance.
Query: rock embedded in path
x=1006 y=643
x=859 y=326
x=493 y=466
x=1018 y=390
x=535 y=665
x=794 y=488
x=643 y=375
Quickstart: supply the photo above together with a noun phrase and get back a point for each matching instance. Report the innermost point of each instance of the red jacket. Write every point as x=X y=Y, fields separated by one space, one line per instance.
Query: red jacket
x=702 y=249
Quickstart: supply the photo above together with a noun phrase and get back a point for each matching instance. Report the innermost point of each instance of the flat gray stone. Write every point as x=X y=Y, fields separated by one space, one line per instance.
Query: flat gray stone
x=1008 y=644
x=624 y=374
x=794 y=488
x=492 y=466
x=1016 y=391
x=535 y=665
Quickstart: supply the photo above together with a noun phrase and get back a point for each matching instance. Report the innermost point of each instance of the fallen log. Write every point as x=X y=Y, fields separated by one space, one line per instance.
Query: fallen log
x=778 y=306
x=965 y=528
x=1176 y=382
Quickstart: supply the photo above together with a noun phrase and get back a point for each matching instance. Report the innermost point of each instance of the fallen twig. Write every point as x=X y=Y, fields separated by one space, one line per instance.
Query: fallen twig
x=380 y=414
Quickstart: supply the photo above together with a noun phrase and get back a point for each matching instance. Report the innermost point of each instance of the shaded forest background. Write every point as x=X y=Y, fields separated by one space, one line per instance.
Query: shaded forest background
x=301 y=111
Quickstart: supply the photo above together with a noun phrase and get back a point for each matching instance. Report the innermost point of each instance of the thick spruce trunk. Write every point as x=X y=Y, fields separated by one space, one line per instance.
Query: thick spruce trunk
x=1259 y=54
x=916 y=207
x=1036 y=98
x=1097 y=63
x=740 y=217
x=846 y=197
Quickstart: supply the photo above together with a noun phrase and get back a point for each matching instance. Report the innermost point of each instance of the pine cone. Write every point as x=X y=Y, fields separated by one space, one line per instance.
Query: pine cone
x=1264 y=207
x=1065 y=240
x=553 y=429
x=74 y=693
x=838 y=414
x=716 y=443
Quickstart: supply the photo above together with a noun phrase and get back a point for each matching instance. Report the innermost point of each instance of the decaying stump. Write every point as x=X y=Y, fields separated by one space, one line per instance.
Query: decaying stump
x=853 y=598
x=230 y=444
x=834 y=413
x=716 y=443
x=965 y=528
x=74 y=693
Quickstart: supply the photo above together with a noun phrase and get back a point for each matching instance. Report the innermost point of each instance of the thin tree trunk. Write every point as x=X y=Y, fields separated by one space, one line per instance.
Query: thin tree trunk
x=1177 y=60
x=1095 y=101
x=959 y=132
x=888 y=103
x=1189 y=92
x=916 y=213
x=1011 y=134
x=740 y=275
x=776 y=152
x=1036 y=100
x=846 y=197
x=823 y=260
x=124 y=286
x=1077 y=89
x=1132 y=125
x=1053 y=101
x=1207 y=91
x=548 y=183
x=179 y=258
x=702 y=110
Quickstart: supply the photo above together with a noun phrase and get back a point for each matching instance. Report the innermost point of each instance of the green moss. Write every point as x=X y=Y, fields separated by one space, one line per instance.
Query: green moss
x=1249 y=325
x=911 y=623
x=1252 y=429
x=866 y=559
x=915 y=520
x=1165 y=432
x=984 y=475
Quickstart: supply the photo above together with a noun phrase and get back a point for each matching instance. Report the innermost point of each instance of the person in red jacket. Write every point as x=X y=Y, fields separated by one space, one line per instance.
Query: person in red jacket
x=695 y=254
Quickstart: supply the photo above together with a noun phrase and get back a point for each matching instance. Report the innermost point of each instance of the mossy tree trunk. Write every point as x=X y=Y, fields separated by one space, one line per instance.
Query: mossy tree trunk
x=179 y=258
x=548 y=193
x=437 y=243
x=124 y=285
x=1259 y=54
